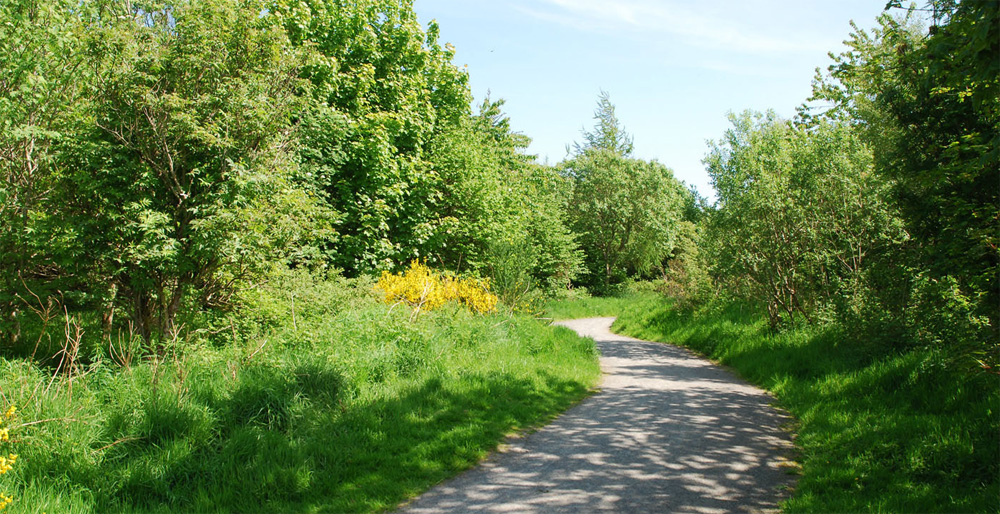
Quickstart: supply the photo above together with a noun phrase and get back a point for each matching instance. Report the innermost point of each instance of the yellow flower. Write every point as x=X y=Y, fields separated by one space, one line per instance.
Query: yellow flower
x=424 y=289
x=7 y=463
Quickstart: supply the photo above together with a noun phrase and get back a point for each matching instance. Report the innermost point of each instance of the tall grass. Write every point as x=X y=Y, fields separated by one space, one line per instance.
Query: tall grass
x=880 y=430
x=351 y=407
x=591 y=306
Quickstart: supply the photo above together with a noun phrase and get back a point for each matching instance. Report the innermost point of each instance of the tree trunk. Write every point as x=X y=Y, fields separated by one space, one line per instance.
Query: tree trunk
x=108 y=314
x=142 y=315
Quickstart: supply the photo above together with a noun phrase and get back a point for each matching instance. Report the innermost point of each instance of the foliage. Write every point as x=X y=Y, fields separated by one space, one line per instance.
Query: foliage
x=156 y=176
x=510 y=264
x=190 y=120
x=504 y=216
x=878 y=429
x=624 y=210
x=929 y=106
x=608 y=133
x=799 y=213
x=40 y=80
x=208 y=167
x=626 y=213
x=389 y=141
x=943 y=316
x=159 y=160
x=381 y=90
x=423 y=289
x=685 y=273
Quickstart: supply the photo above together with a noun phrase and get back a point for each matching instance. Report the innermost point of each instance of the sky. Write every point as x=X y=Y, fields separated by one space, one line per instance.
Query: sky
x=673 y=69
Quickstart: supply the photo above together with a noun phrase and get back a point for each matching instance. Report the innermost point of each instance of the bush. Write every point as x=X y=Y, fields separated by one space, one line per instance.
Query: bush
x=422 y=288
x=944 y=317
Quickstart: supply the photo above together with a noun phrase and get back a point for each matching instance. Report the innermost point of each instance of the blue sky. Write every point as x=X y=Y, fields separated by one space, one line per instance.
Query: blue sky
x=673 y=68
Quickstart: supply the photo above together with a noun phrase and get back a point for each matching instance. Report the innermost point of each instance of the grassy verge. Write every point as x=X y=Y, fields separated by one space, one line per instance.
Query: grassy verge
x=345 y=407
x=879 y=431
x=594 y=306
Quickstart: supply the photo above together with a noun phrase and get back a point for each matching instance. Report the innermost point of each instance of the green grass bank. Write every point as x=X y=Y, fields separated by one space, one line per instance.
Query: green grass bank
x=345 y=406
x=878 y=430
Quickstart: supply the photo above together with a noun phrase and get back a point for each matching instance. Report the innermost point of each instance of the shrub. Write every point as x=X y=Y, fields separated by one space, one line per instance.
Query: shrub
x=422 y=288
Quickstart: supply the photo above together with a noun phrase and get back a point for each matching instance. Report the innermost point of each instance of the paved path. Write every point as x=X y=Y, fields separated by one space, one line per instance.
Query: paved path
x=668 y=432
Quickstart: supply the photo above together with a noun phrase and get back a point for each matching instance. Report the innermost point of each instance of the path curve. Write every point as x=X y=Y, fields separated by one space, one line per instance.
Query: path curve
x=668 y=432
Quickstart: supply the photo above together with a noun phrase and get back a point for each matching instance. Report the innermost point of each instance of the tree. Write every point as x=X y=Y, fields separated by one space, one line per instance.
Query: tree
x=502 y=215
x=182 y=149
x=799 y=213
x=40 y=82
x=930 y=108
x=685 y=270
x=608 y=133
x=625 y=211
x=381 y=89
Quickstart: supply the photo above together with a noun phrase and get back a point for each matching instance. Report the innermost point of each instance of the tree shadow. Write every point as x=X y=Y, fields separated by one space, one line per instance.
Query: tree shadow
x=669 y=432
x=290 y=442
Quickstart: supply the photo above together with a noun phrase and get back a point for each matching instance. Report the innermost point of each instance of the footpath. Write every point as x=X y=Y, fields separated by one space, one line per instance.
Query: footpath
x=668 y=432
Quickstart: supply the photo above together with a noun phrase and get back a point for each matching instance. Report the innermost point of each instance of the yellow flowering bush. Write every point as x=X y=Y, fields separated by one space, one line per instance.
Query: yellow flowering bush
x=6 y=463
x=422 y=288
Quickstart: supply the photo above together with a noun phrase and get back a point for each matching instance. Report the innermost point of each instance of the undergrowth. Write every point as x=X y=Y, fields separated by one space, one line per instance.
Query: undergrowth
x=315 y=397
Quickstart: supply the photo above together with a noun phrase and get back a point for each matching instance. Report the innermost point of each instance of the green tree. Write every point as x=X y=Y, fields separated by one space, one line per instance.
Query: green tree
x=625 y=211
x=181 y=155
x=799 y=213
x=381 y=89
x=40 y=82
x=685 y=270
x=930 y=108
x=502 y=215
x=608 y=133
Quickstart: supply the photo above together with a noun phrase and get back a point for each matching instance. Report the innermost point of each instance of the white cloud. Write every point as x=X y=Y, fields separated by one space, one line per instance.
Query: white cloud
x=717 y=27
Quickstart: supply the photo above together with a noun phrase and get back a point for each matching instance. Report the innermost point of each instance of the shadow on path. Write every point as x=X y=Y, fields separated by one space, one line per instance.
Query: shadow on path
x=668 y=432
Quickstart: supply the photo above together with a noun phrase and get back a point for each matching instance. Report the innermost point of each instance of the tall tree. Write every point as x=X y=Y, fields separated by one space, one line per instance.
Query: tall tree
x=183 y=144
x=625 y=210
x=930 y=108
x=608 y=133
x=799 y=213
x=381 y=89
x=626 y=213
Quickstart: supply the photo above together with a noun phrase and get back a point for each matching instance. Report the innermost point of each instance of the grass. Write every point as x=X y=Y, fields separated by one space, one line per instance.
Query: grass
x=349 y=408
x=879 y=430
x=591 y=306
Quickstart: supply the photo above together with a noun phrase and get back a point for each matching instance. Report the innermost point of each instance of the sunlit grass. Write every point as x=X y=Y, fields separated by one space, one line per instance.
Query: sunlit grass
x=351 y=408
x=593 y=306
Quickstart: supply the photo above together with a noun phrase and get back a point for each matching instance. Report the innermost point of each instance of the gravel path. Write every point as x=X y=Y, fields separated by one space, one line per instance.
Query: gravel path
x=668 y=432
